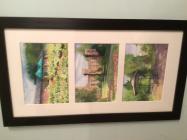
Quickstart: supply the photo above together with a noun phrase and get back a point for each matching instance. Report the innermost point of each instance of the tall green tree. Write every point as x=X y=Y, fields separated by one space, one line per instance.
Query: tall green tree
x=139 y=65
x=32 y=54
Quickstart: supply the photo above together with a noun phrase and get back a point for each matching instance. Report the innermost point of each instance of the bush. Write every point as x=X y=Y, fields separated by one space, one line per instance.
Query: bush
x=83 y=95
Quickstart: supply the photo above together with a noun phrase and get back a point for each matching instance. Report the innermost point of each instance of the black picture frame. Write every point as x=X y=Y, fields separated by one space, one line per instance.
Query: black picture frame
x=89 y=24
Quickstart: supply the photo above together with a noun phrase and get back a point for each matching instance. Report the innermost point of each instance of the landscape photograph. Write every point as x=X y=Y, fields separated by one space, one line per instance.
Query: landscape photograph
x=96 y=67
x=45 y=72
x=144 y=71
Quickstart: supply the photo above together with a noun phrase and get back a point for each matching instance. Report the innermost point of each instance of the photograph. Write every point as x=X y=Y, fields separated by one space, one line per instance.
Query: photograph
x=96 y=68
x=144 y=71
x=45 y=72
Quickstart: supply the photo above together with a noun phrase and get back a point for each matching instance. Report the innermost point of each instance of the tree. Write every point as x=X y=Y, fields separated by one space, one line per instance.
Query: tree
x=136 y=66
x=32 y=54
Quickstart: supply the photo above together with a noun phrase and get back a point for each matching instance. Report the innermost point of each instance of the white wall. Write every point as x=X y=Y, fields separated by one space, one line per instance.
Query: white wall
x=142 y=9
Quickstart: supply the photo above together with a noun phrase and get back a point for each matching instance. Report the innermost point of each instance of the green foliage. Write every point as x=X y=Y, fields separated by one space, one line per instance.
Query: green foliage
x=141 y=96
x=32 y=53
x=131 y=65
x=135 y=64
x=102 y=48
x=128 y=86
x=149 y=51
x=82 y=48
x=106 y=52
x=128 y=94
x=143 y=63
x=83 y=95
x=108 y=66
x=143 y=90
x=57 y=72
x=100 y=79
x=143 y=66
x=103 y=100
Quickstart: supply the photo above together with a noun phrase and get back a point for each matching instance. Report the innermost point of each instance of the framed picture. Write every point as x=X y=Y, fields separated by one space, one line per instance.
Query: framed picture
x=59 y=71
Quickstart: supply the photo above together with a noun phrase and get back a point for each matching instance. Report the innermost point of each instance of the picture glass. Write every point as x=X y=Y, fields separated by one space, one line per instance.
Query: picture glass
x=144 y=71
x=96 y=72
x=80 y=72
x=45 y=73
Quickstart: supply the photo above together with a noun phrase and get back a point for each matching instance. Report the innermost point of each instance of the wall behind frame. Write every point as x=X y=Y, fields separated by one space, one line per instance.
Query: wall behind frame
x=125 y=9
